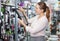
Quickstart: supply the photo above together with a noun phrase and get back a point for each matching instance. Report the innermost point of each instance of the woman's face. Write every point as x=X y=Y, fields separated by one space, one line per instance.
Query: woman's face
x=37 y=9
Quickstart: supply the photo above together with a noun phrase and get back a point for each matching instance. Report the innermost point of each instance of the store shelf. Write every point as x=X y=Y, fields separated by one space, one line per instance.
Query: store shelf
x=58 y=33
x=7 y=4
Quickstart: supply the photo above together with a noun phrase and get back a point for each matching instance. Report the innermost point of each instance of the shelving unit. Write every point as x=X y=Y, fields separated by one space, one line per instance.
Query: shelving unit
x=11 y=10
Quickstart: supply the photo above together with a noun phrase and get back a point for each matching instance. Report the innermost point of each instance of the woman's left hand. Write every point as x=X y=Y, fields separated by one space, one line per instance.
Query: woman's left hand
x=22 y=23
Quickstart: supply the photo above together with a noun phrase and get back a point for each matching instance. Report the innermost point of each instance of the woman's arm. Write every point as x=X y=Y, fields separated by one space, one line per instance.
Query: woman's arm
x=36 y=27
x=25 y=15
x=22 y=23
x=23 y=12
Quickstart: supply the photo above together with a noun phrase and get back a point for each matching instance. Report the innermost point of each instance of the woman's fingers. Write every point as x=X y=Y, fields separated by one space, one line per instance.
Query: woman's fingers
x=21 y=9
x=21 y=22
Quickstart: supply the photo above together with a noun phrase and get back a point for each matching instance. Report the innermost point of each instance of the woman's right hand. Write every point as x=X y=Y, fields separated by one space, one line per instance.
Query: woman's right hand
x=21 y=9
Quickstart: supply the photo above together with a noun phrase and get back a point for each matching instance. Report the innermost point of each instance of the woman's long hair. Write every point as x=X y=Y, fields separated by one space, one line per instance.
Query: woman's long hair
x=45 y=8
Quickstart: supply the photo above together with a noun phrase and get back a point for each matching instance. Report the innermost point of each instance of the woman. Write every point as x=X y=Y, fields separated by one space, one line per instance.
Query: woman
x=38 y=23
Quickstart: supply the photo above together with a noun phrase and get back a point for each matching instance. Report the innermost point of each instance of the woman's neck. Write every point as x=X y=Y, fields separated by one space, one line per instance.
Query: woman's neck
x=41 y=15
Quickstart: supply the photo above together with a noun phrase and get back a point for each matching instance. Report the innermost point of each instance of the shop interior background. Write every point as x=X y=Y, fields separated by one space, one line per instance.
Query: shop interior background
x=9 y=16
